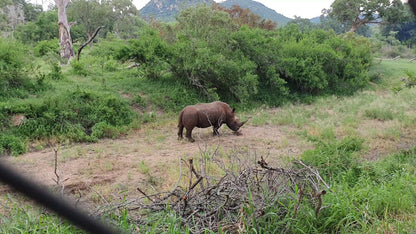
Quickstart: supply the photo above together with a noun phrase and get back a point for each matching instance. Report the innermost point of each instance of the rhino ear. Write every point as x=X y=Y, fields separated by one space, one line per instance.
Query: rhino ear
x=233 y=110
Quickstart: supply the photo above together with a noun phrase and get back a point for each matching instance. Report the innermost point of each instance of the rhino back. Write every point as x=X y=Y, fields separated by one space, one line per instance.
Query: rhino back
x=210 y=114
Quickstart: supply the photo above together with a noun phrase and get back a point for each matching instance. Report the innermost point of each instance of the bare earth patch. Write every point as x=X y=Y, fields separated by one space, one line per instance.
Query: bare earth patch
x=112 y=169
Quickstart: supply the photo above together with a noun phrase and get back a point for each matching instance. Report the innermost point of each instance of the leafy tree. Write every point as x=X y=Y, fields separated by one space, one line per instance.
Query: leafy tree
x=31 y=11
x=44 y=28
x=12 y=15
x=357 y=13
x=405 y=28
x=125 y=16
x=330 y=22
x=304 y=24
x=89 y=15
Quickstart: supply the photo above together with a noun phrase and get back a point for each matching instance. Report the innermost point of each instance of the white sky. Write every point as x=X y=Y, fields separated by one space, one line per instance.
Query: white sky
x=289 y=8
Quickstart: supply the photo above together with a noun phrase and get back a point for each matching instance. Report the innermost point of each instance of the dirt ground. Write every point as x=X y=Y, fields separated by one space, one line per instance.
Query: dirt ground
x=112 y=169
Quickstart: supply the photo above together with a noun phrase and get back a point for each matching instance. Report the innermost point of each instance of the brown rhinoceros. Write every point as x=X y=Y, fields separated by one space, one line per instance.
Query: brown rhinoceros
x=204 y=115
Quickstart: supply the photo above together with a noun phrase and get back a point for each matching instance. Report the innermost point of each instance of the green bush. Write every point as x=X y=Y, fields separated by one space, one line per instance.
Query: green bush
x=46 y=47
x=56 y=72
x=150 y=52
x=16 y=70
x=13 y=145
x=79 y=68
x=262 y=48
x=319 y=61
x=362 y=193
x=73 y=115
x=104 y=130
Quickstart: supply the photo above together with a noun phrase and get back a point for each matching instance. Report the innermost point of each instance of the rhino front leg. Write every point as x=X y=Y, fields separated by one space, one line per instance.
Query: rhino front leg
x=215 y=128
x=189 y=134
x=215 y=131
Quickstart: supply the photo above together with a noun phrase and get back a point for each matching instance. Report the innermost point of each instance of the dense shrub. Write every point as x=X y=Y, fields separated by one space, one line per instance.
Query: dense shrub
x=319 y=61
x=211 y=54
x=149 y=51
x=204 y=56
x=381 y=190
x=45 y=47
x=262 y=48
x=10 y=144
x=80 y=68
x=73 y=115
x=15 y=64
x=228 y=76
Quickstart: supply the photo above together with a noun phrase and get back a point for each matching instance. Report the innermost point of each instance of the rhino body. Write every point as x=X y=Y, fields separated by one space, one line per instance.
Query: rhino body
x=204 y=115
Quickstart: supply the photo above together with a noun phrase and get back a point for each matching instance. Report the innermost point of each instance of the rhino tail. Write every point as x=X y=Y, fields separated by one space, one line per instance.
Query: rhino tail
x=180 y=124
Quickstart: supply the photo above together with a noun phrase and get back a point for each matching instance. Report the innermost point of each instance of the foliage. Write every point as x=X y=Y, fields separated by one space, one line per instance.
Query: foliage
x=44 y=28
x=118 y=16
x=262 y=48
x=319 y=61
x=56 y=72
x=45 y=47
x=150 y=52
x=73 y=115
x=89 y=15
x=382 y=190
x=15 y=80
x=10 y=144
x=363 y=12
x=237 y=64
x=79 y=68
x=229 y=76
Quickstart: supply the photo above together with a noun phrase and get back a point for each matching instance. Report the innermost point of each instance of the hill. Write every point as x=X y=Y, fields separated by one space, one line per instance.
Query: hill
x=166 y=10
x=259 y=9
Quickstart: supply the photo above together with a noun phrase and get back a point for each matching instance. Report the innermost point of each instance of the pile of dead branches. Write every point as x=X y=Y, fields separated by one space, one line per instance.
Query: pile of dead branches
x=238 y=193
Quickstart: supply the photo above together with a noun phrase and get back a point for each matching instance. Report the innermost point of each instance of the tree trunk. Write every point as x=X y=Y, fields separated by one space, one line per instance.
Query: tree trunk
x=354 y=27
x=65 y=41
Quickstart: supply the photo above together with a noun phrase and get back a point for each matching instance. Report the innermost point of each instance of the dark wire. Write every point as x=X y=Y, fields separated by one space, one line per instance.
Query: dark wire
x=52 y=202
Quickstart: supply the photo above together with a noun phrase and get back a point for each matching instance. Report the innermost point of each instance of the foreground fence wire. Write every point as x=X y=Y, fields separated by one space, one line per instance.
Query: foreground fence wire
x=52 y=202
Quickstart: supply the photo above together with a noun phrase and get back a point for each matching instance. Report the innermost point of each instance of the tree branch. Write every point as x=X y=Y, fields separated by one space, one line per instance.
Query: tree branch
x=89 y=41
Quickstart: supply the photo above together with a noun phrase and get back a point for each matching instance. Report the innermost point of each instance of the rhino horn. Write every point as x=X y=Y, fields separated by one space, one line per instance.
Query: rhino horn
x=242 y=123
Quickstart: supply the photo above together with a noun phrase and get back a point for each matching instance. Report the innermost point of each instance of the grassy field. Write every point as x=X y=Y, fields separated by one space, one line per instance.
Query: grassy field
x=363 y=146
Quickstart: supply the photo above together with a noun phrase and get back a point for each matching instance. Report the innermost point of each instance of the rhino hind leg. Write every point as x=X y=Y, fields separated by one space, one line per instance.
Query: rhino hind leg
x=180 y=132
x=189 y=134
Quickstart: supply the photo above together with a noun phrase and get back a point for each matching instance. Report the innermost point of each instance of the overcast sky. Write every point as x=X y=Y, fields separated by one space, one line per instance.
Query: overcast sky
x=289 y=8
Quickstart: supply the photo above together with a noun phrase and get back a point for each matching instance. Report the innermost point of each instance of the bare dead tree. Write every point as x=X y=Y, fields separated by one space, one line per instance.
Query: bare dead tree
x=89 y=41
x=58 y=180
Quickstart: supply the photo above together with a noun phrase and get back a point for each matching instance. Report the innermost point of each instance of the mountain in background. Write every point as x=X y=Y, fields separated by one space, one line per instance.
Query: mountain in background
x=166 y=10
x=259 y=9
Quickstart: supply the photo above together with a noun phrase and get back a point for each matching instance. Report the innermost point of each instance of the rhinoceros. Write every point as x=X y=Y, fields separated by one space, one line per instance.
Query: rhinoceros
x=204 y=115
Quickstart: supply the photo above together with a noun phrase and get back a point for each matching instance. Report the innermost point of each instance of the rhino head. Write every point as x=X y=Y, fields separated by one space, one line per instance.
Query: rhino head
x=233 y=122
